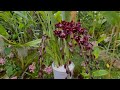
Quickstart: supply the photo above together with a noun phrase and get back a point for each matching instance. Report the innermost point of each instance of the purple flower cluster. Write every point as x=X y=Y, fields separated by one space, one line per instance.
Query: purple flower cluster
x=32 y=67
x=2 y=61
x=80 y=34
x=48 y=70
x=84 y=40
x=64 y=28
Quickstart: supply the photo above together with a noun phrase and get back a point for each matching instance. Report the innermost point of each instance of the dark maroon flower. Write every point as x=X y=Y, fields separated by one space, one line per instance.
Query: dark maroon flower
x=77 y=38
x=67 y=30
x=80 y=77
x=65 y=66
x=57 y=32
x=78 y=24
x=85 y=32
x=85 y=43
x=59 y=25
x=63 y=22
x=86 y=37
x=62 y=35
x=72 y=23
x=67 y=24
x=89 y=46
x=74 y=29
x=81 y=30
x=70 y=62
x=81 y=41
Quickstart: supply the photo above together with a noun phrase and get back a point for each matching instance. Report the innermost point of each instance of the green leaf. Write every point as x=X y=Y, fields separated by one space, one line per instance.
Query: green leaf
x=66 y=51
x=14 y=36
x=9 y=42
x=96 y=52
x=85 y=74
x=2 y=45
x=1 y=42
x=53 y=51
x=21 y=25
x=58 y=16
x=6 y=16
x=28 y=44
x=42 y=13
x=3 y=31
x=112 y=17
x=100 y=73
x=7 y=51
x=21 y=14
x=101 y=38
x=33 y=43
x=9 y=71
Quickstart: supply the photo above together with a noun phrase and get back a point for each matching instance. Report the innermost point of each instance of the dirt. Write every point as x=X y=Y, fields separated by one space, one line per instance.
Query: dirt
x=110 y=60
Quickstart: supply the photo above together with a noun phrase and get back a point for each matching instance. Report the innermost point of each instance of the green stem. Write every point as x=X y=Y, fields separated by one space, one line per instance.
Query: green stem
x=22 y=62
x=110 y=39
x=63 y=15
x=115 y=40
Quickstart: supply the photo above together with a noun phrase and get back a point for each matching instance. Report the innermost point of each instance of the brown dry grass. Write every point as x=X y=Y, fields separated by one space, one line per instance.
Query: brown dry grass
x=73 y=15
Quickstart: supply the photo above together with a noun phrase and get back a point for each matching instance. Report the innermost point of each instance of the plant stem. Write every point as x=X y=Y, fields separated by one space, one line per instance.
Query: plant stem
x=63 y=15
x=22 y=61
x=22 y=76
x=110 y=39
x=115 y=40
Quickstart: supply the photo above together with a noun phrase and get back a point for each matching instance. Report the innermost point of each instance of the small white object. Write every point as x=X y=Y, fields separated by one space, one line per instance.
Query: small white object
x=107 y=39
x=60 y=72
